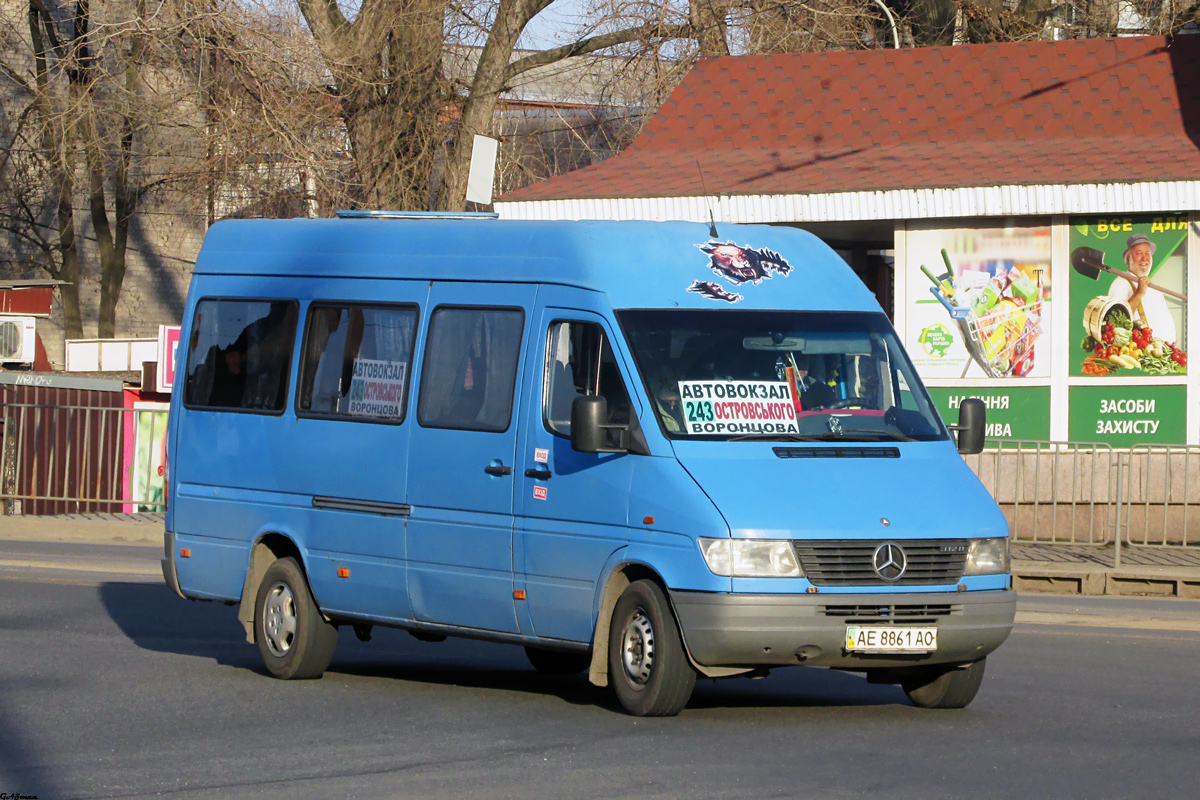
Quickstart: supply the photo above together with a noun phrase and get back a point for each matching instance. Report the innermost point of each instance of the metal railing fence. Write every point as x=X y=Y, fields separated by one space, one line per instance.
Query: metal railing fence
x=1160 y=495
x=1051 y=492
x=57 y=459
x=1087 y=493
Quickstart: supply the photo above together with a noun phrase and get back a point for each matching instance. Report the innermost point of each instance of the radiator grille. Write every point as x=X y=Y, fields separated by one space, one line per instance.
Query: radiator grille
x=931 y=562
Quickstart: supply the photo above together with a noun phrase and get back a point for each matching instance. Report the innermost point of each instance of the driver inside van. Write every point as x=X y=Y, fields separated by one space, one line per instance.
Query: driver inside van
x=813 y=393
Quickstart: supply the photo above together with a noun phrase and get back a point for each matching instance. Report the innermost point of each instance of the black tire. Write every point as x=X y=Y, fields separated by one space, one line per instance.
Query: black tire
x=952 y=688
x=555 y=662
x=295 y=641
x=646 y=663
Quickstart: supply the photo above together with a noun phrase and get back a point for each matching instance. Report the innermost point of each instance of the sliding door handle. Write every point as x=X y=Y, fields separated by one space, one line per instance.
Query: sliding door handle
x=497 y=470
x=540 y=474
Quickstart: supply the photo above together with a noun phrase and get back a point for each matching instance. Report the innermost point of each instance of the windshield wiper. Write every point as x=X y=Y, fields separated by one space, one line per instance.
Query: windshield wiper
x=777 y=437
x=861 y=436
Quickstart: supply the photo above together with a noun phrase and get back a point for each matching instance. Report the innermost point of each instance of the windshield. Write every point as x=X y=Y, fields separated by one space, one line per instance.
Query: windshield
x=781 y=375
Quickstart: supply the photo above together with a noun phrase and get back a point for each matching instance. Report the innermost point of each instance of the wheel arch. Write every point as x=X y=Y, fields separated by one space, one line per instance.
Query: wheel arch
x=267 y=548
x=619 y=577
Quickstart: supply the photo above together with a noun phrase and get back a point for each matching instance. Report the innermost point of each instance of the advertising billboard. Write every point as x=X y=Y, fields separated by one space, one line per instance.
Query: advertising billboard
x=1129 y=296
x=979 y=302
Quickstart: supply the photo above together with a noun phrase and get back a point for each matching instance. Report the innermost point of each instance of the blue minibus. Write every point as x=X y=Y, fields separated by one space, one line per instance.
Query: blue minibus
x=645 y=450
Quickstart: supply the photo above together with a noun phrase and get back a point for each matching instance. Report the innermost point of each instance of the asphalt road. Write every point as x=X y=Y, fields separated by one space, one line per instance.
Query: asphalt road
x=111 y=686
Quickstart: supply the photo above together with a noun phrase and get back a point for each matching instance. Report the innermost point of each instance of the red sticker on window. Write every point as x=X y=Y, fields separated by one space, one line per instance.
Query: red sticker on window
x=539 y=493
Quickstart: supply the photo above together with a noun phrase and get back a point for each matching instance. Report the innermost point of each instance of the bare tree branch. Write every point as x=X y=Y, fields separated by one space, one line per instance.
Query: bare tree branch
x=595 y=44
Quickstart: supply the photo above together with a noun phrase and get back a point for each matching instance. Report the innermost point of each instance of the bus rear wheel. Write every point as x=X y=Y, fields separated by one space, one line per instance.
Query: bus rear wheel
x=947 y=688
x=295 y=641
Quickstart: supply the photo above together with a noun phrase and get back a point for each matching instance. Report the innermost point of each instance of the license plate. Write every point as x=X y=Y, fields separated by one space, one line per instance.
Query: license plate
x=890 y=639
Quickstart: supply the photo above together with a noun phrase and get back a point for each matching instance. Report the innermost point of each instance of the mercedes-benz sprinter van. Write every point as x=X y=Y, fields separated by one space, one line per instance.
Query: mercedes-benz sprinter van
x=634 y=448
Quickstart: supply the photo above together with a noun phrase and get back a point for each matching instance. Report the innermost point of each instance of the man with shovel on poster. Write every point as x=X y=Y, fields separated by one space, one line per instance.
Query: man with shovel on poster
x=1142 y=296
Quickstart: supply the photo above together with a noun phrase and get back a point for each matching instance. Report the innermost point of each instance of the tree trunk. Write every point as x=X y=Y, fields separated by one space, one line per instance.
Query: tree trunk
x=984 y=20
x=69 y=269
x=708 y=21
x=480 y=105
x=113 y=243
x=387 y=66
x=932 y=22
x=496 y=70
x=59 y=165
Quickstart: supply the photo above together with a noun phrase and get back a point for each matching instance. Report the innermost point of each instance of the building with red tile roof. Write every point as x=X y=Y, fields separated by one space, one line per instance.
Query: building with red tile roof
x=1028 y=179
x=1086 y=125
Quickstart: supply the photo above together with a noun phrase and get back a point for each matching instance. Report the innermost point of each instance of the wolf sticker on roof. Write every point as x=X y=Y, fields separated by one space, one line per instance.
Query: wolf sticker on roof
x=737 y=265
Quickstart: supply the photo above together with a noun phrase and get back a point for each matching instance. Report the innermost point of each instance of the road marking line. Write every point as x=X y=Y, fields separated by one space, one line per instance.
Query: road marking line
x=1107 y=621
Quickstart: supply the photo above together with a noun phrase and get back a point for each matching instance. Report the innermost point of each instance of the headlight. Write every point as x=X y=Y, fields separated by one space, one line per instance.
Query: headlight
x=751 y=558
x=987 y=556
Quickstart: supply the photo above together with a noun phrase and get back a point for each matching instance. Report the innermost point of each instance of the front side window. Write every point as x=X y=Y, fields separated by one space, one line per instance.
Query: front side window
x=579 y=361
x=788 y=375
x=357 y=362
x=240 y=354
x=470 y=368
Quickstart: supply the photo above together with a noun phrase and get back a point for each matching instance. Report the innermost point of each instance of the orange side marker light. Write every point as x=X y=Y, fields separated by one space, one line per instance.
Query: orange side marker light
x=648 y=520
x=185 y=552
x=518 y=594
x=343 y=572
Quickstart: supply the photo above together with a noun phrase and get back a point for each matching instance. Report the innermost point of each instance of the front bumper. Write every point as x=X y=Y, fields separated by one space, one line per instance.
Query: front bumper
x=762 y=630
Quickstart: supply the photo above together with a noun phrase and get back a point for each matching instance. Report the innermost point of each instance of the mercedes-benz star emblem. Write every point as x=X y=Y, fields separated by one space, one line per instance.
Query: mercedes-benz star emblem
x=889 y=561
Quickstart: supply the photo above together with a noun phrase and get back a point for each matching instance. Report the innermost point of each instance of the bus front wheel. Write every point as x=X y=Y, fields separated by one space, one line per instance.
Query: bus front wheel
x=952 y=688
x=647 y=665
x=295 y=641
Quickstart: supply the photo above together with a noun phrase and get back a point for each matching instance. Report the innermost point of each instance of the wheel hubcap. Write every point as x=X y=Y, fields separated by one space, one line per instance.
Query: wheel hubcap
x=637 y=648
x=279 y=619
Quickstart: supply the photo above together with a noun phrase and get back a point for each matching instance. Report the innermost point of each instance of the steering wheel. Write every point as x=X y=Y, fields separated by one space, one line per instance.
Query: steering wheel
x=860 y=402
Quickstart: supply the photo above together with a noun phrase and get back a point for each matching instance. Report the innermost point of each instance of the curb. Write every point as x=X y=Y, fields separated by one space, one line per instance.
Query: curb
x=1091 y=579
x=131 y=529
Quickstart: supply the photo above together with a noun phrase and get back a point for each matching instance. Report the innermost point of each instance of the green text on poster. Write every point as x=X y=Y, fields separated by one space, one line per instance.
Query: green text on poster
x=1012 y=412
x=1123 y=416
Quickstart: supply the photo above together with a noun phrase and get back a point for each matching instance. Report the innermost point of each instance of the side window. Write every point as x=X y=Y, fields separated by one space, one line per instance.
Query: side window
x=579 y=360
x=470 y=368
x=356 y=361
x=240 y=354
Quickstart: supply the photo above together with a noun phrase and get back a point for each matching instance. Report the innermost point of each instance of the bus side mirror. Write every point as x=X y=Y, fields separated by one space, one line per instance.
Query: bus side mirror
x=588 y=414
x=588 y=428
x=972 y=422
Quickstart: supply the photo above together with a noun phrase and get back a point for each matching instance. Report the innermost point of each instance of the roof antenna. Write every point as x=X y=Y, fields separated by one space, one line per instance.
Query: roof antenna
x=712 y=223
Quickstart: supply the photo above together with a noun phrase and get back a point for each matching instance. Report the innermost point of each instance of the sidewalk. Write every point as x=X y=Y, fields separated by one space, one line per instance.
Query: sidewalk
x=1088 y=569
x=139 y=529
x=1043 y=568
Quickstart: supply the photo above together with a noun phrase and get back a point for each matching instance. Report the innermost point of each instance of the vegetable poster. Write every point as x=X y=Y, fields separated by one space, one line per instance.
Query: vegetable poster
x=1128 y=296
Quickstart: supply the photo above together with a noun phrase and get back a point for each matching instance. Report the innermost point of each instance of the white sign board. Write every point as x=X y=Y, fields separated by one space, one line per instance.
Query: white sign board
x=483 y=169
x=377 y=388
x=737 y=407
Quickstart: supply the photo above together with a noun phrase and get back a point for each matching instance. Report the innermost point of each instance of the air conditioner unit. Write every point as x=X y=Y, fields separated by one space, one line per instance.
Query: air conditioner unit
x=18 y=339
